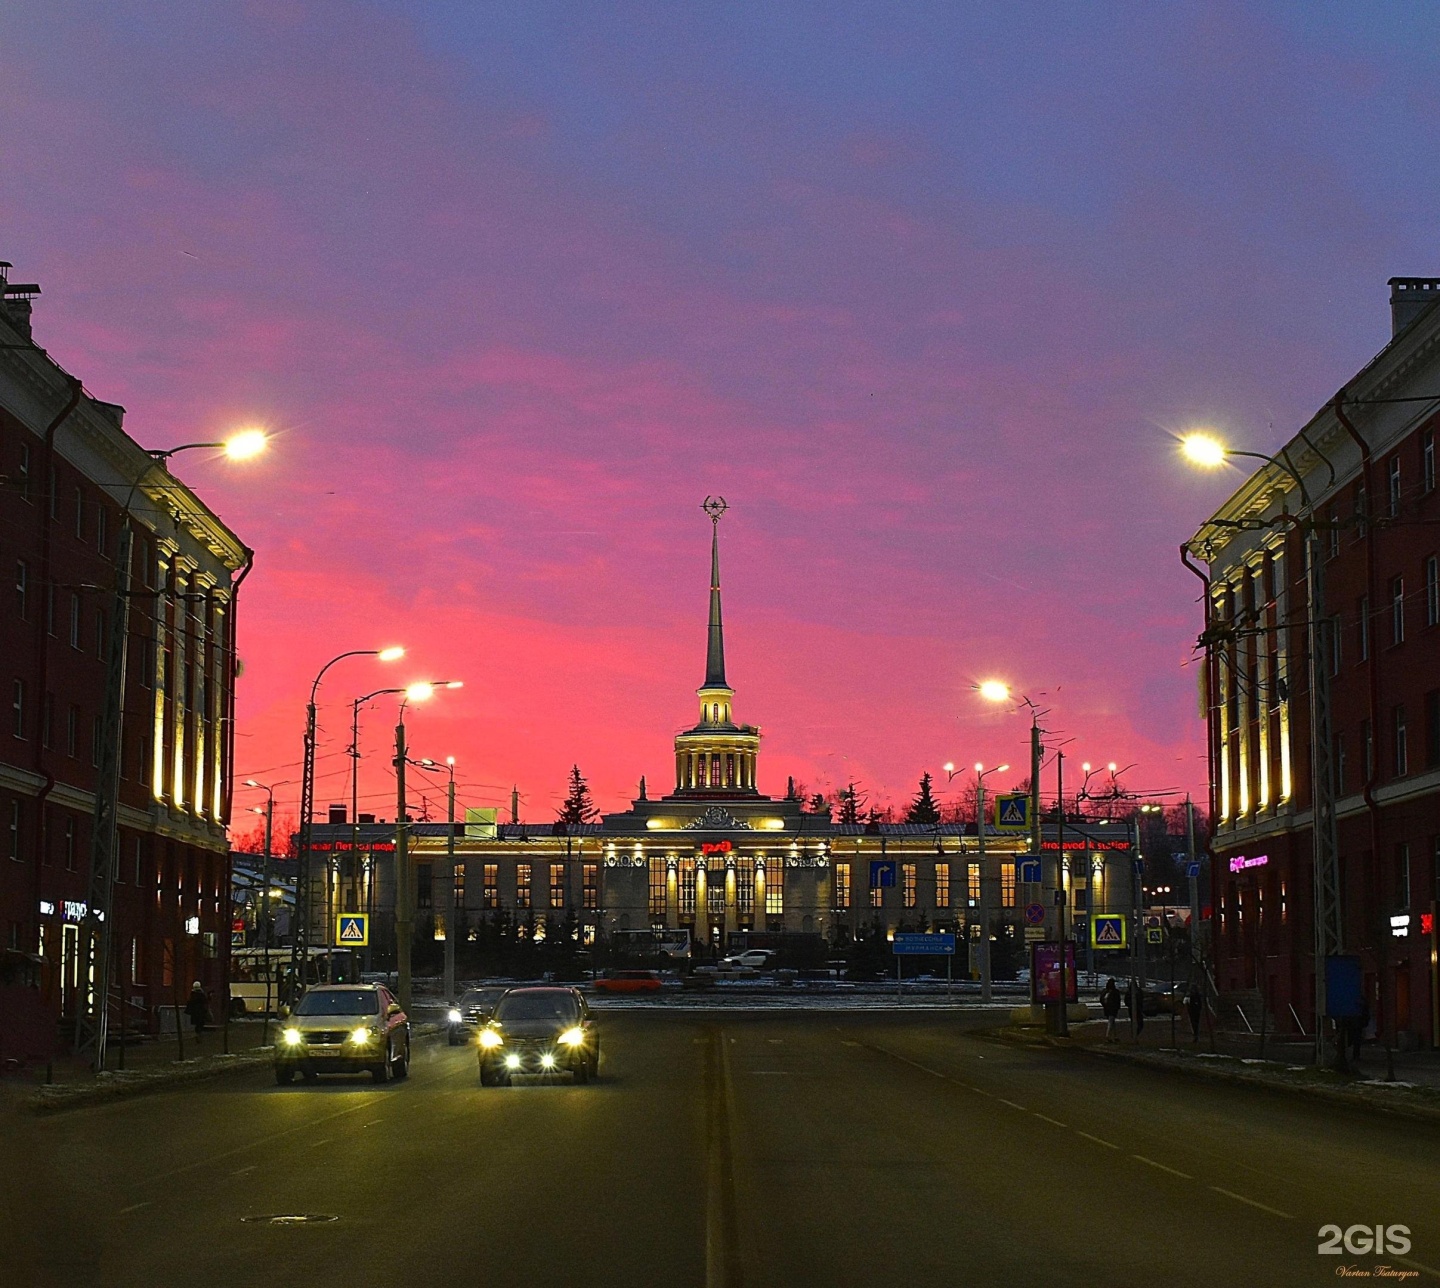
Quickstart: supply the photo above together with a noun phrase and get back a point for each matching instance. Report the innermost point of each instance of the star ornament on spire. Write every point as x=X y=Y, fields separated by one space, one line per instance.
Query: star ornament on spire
x=715 y=506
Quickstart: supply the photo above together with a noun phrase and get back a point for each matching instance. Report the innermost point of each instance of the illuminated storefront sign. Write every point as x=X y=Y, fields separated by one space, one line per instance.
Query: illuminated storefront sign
x=1240 y=862
x=1400 y=925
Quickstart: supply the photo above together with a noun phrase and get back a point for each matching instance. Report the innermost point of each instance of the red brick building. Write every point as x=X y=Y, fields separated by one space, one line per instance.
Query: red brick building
x=67 y=470
x=1367 y=462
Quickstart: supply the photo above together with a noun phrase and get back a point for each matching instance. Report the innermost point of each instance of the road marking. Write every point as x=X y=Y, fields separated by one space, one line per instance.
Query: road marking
x=134 y=1207
x=1012 y=1104
x=775 y=1041
x=934 y=1073
x=1096 y=1139
x=847 y=1042
x=1240 y=1198
x=1420 y=1265
x=243 y=1170
x=1173 y=1171
x=318 y=1143
x=1053 y=1121
x=722 y=1226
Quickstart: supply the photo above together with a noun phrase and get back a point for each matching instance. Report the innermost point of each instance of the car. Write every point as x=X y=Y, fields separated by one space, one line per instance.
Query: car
x=539 y=1031
x=344 y=1028
x=629 y=981
x=475 y=1007
x=750 y=959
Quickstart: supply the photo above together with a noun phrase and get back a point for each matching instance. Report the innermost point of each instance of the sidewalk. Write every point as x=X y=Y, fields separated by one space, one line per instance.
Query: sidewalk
x=1287 y=1064
x=148 y=1065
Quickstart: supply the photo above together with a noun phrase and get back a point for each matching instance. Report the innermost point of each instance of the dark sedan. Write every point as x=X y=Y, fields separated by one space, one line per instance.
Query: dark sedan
x=474 y=1009
x=539 y=1031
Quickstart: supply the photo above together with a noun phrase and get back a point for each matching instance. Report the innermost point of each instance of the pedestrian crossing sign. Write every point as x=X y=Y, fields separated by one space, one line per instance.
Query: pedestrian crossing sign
x=352 y=929
x=1107 y=930
x=1012 y=811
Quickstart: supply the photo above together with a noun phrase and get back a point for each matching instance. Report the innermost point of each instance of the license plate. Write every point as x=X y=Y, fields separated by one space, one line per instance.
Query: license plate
x=314 y=1051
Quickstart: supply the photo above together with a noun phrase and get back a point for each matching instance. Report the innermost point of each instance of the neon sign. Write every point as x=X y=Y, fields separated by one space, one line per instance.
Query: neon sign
x=1240 y=863
x=716 y=847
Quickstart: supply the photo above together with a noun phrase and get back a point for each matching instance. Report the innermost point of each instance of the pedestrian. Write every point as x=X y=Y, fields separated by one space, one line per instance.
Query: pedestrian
x=198 y=1009
x=1134 y=1003
x=1110 y=1008
x=1195 y=1004
x=1358 y=1025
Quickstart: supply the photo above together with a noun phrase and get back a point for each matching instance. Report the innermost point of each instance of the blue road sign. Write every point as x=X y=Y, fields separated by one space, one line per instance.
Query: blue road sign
x=882 y=873
x=1030 y=870
x=1192 y=869
x=1139 y=866
x=909 y=945
x=352 y=929
x=1107 y=930
x=1012 y=811
x=1034 y=914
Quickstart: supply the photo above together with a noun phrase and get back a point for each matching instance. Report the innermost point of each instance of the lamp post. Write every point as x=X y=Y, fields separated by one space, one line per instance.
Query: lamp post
x=981 y=774
x=269 y=812
x=1208 y=452
x=97 y=926
x=447 y=884
x=303 y=930
x=404 y=892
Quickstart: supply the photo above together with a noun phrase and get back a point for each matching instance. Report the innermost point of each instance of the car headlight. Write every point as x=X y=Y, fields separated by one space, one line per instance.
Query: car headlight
x=573 y=1037
x=489 y=1038
x=292 y=1037
x=512 y=1061
x=361 y=1036
x=455 y=1016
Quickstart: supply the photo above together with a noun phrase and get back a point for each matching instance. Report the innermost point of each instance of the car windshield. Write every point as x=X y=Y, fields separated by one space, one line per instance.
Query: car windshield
x=482 y=997
x=348 y=1001
x=538 y=1005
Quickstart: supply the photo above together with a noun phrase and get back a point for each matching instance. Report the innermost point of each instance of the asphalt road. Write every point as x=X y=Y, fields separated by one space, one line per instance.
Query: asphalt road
x=760 y=1150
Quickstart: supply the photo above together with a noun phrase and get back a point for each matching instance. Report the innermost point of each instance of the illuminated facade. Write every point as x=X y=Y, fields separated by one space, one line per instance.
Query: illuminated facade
x=1372 y=492
x=68 y=468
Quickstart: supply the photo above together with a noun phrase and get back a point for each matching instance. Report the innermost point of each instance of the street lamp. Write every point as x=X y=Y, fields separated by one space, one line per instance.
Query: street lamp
x=269 y=812
x=243 y=446
x=302 y=929
x=1207 y=451
x=97 y=926
x=404 y=895
x=981 y=774
x=355 y=795
x=447 y=884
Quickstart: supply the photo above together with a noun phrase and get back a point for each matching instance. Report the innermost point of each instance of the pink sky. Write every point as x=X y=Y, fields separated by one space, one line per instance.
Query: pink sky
x=922 y=297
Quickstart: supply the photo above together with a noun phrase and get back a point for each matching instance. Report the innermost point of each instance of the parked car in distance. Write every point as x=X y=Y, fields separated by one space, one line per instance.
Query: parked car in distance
x=629 y=981
x=344 y=1028
x=539 y=1031
x=475 y=1007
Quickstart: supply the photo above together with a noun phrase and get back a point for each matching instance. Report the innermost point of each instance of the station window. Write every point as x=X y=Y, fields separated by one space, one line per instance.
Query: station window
x=557 y=885
x=522 y=886
x=590 y=885
x=490 y=887
x=842 y=885
x=907 y=883
x=972 y=892
x=775 y=893
x=687 y=887
x=1007 y=885
x=745 y=886
x=942 y=885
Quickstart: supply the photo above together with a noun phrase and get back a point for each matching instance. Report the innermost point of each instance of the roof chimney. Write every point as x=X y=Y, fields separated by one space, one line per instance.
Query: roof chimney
x=1409 y=298
x=15 y=299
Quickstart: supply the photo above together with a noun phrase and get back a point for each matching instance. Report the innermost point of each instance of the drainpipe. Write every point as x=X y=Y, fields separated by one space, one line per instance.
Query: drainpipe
x=42 y=635
x=1372 y=670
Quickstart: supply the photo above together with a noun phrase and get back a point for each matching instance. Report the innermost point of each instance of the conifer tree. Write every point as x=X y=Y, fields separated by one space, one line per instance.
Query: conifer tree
x=923 y=808
x=578 y=806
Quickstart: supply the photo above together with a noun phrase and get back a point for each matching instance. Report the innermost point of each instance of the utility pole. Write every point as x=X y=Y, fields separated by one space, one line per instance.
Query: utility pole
x=404 y=912
x=1194 y=882
x=1137 y=890
x=447 y=885
x=265 y=877
x=985 y=989
x=1062 y=1025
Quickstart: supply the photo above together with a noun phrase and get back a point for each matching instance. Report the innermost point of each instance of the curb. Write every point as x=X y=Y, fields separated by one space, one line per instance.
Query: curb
x=1421 y=1104
x=121 y=1086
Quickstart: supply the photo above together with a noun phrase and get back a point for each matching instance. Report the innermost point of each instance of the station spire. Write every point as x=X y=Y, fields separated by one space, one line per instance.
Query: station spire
x=715 y=649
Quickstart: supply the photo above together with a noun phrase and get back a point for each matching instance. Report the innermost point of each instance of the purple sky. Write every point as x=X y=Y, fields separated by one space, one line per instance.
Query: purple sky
x=922 y=290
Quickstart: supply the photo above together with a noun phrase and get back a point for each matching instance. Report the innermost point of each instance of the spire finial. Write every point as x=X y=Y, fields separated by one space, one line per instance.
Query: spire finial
x=715 y=649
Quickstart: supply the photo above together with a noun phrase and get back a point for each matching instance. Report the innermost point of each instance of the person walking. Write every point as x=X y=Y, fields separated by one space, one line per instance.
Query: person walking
x=1195 y=1005
x=1357 y=1029
x=1110 y=1008
x=198 y=1009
